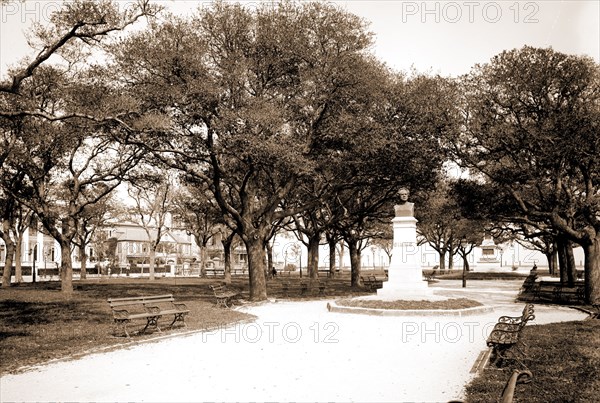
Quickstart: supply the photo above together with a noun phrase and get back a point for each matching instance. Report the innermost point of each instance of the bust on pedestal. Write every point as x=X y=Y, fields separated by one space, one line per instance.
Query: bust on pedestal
x=405 y=277
x=405 y=208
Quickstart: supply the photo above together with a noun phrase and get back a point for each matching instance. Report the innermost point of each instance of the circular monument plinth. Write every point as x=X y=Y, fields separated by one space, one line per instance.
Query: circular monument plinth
x=334 y=307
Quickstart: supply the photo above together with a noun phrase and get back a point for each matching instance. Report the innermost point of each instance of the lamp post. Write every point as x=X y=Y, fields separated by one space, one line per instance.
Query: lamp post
x=463 y=245
x=300 y=260
x=34 y=258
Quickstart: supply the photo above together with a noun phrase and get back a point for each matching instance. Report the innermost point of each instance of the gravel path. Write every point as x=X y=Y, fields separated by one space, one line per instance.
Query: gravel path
x=295 y=351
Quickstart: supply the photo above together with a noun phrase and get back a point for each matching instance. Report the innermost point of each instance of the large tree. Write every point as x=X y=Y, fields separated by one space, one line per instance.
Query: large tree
x=531 y=130
x=64 y=120
x=257 y=101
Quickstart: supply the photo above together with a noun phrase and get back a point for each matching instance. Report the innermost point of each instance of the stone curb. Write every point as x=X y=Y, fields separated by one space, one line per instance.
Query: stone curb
x=333 y=307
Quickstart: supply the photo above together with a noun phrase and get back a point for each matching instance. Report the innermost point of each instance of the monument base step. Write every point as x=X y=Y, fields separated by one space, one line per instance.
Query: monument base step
x=408 y=292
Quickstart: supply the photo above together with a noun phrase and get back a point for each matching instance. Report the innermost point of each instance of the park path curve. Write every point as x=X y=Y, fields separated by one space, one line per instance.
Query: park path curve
x=294 y=351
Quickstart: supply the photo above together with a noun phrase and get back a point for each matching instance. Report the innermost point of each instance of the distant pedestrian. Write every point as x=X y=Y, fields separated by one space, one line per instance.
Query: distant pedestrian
x=273 y=272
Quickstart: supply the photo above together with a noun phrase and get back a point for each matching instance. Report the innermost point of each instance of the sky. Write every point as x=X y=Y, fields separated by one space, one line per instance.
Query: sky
x=437 y=37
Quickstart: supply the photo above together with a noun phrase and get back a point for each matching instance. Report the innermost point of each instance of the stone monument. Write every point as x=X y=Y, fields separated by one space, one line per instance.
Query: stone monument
x=405 y=277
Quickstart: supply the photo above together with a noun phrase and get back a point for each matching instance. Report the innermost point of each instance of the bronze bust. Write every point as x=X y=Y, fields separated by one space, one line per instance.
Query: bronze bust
x=405 y=208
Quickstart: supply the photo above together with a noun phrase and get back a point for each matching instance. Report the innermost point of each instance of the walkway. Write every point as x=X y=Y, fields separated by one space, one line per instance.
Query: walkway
x=295 y=351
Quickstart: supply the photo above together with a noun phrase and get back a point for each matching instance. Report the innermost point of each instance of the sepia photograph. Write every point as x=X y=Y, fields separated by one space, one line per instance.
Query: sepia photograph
x=300 y=201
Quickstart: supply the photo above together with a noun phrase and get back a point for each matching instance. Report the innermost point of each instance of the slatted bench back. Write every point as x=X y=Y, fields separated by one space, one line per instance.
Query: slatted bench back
x=218 y=288
x=141 y=301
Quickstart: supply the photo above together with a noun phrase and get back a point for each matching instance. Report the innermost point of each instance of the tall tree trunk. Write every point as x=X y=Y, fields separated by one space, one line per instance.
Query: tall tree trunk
x=256 y=266
x=591 y=252
x=66 y=267
x=270 y=265
x=227 y=242
x=550 y=260
x=571 y=267
x=152 y=258
x=555 y=267
x=331 y=242
x=354 y=263
x=562 y=259
x=313 y=255
x=450 y=261
x=442 y=254
x=203 y=258
x=83 y=259
x=8 y=262
x=18 y=260
x=227 y=258
x=466 y=268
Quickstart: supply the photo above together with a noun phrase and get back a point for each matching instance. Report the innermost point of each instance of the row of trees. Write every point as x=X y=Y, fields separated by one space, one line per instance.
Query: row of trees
x=281 y=117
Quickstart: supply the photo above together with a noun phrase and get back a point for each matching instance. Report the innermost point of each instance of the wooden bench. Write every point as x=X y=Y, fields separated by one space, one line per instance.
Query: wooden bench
x=526 y=315
x=148 y=308
x=505 y=337
x=556 y=291
x=294 y=287
x=593 y=311
x=528 y=284
x=316 y=285
x=517 y=377
x=223 y=295
x=372 y=281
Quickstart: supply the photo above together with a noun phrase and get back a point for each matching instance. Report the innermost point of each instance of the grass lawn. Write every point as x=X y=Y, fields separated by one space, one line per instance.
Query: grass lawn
x=564 y=359
x=38 y=323
x=456 y=303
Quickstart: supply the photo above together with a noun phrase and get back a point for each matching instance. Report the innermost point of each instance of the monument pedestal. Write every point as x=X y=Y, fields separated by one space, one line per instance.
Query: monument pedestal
x=405 y=277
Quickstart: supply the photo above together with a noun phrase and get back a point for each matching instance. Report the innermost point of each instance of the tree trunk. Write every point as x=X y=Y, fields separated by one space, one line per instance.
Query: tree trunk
x=270 y=265
x=256 y=266
x=203 y=256
x=152 y=259
x=227 y=260
x=465 y=270
x=550 y=259
x=66 y=267
x=313 y=255
x=562 y=259
x=571 y=267
x=227 y=243
x=592 y=270
x=442 y=265
x=354 y=263
x=10 y=252
x=450 y=261
x=82 y=259
x=555 y=267
x=331 y=242
x=18 y=260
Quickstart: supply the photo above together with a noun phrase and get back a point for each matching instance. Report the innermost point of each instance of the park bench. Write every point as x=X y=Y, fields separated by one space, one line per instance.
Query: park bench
x=148 y=308
x=593 y=310
x=517 y=377
x=373 y=281
x=294 y=287
x=556 y=291
x=324 y=273
x=223 y=295
x=529 y=284
x=316 y=285
x=505 y=337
